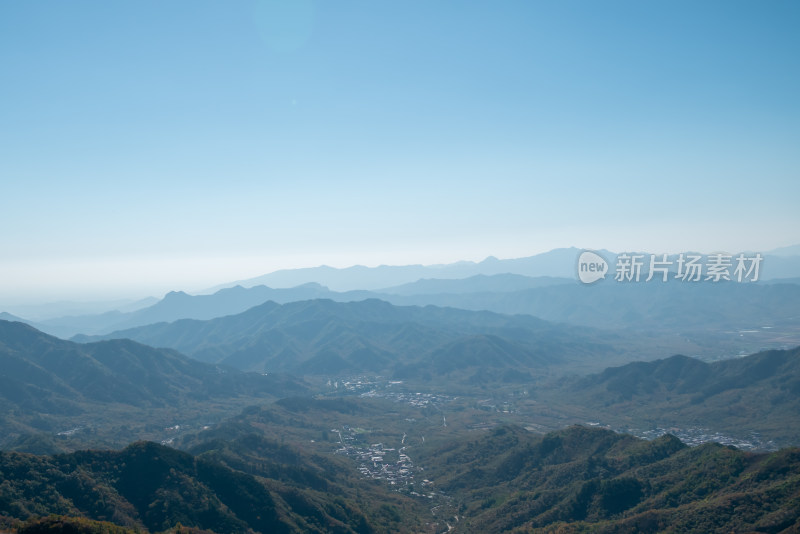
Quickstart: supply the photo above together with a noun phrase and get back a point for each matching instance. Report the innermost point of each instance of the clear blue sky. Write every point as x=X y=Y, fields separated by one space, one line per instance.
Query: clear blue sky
x=151 y=145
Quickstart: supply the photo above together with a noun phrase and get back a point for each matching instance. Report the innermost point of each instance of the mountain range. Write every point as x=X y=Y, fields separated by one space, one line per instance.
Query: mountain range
x=593 y=480
x=49 y=384
x=330 y=338
x=228 y=301
x=237 y=476
x=758 y=394
x=713 y=320
x=152 y=488
x=578 y=479
x=507 y=480
x=522 y=285
x=45 y=382
x=479 y=358
x=556 y=263
x=179 y=305
x=711 y=315
x=559 y=263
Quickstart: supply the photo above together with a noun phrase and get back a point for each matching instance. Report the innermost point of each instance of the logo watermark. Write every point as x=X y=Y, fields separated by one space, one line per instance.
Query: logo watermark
x=591 y=267
x=684 y=267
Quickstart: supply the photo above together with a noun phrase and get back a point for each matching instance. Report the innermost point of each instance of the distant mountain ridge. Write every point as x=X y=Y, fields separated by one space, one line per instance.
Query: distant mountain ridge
x=179 y=305
x=659 y=306
x=670 y=306
x=559 y=262
x=539 y=285
x=229 y=301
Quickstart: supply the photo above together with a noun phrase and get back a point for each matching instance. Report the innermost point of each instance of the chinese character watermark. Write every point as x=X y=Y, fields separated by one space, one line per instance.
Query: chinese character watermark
x=629 y=268
x=684 y=267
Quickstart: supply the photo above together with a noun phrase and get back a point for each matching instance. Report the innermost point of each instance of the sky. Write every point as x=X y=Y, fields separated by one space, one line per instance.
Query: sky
x=148 y=146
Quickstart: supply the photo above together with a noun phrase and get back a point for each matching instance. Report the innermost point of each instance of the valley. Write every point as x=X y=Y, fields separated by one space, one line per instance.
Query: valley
x=326 y=408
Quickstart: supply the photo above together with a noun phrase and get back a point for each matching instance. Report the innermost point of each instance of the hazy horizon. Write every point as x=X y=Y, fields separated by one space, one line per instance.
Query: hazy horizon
x=104 y=299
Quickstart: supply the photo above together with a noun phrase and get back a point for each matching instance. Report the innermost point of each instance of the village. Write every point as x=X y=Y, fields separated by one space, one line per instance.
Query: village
x=378 y=387
x=380 y=462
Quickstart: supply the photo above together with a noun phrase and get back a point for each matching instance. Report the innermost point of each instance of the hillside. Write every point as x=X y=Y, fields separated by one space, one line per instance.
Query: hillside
x=580 y=480
x=576 y=480
x=757 y=394
x=710 y=320
x=48 y=384
x=508 y=479
x=148 y=486
x=239 y=475
x=329 y=338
